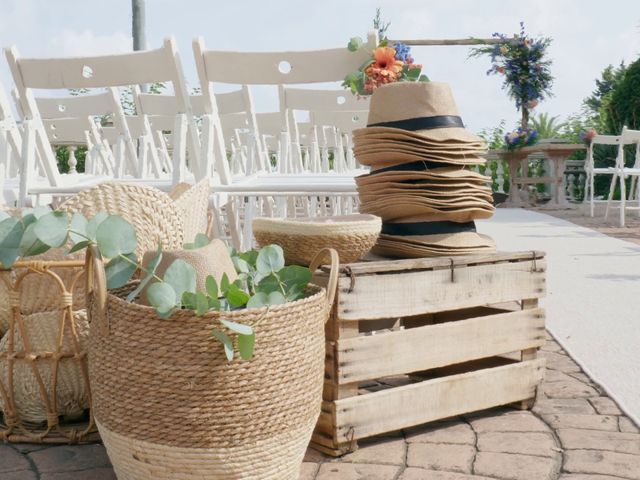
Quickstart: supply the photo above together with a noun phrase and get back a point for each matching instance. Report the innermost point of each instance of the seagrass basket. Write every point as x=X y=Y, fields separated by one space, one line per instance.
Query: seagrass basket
x=352 y=236
x=170 y=406
x=44 y=381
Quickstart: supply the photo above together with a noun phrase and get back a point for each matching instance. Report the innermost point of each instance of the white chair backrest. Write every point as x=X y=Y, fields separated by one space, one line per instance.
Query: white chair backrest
x=345 y=122
x=630 y=136
x=78 y=105
x=161 y=104
x=606 y=140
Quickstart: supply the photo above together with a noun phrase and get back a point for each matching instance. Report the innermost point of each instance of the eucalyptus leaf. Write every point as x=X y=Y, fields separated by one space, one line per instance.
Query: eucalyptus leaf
x=270 y=259
x=262 y=299
x=4 y=215
x=295 y=275
x=78 y=228
x=250 y=256
x=354 y=44
x=162 y=297
x=211 y=286
x=115 y=236
x=214 y=304
x=236 y=297
x=245 y=345
x=200 y=241
x=189 y=300
x=149 y=274
x=226 y=342
x=11 y=231
x=202 y=304
x=52 y=228
x=237 y=327
x=241 y=265
x=120 y=270
x=181 y=276
x=94 y=223
x=224 y=283
x=79 y=246
x=30 y=244
x=268 y=284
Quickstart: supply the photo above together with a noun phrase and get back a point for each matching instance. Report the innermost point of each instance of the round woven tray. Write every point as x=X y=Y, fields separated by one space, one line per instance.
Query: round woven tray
x=352 y=236
x=169 y=405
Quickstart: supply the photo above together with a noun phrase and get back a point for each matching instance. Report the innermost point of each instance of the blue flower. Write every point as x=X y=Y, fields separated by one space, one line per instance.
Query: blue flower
x=403 y=52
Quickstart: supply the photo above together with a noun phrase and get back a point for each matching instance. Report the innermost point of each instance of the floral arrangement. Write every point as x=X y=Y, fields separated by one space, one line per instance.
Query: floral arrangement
x=388 y=64
x=587 y=135
x=522 y=137
x=523 y=62
x=263 y=279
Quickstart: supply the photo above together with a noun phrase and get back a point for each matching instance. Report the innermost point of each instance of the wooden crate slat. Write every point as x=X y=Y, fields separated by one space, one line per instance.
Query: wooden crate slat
x=381 y=266
x=418 y=403
x=403 y=351
x=413 y=293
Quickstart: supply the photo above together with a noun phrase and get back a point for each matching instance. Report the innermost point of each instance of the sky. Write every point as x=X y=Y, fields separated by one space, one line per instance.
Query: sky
x=587 y=36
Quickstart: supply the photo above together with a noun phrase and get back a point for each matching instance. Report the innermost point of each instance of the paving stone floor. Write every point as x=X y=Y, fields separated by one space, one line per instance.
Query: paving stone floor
x=574 y=432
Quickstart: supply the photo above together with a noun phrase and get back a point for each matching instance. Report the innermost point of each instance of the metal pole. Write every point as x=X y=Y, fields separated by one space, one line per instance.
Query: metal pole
x=138 y=24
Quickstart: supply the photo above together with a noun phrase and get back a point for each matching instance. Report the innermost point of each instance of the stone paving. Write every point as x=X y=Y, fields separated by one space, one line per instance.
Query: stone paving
x=574 y=432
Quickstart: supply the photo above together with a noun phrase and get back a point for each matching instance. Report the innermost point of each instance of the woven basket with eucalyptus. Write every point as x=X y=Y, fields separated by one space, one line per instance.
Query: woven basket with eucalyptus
x=44 y=380
x=169 y=405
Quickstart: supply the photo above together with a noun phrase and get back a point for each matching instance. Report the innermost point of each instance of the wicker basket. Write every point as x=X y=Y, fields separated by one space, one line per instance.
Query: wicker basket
x=44 y=382
x=351 y=235
x=170 y=406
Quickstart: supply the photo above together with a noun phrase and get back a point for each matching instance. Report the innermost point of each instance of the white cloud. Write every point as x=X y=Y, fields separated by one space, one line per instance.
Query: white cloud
x=72 y=43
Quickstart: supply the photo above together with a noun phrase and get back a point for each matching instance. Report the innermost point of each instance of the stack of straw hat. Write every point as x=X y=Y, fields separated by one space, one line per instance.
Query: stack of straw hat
x=420 y=181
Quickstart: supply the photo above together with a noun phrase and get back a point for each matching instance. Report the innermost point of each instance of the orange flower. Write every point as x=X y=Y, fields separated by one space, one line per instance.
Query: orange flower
x=385 y=60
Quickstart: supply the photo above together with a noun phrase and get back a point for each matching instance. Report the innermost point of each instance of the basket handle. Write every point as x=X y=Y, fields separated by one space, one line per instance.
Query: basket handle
x=332 y=285
x=96 y=290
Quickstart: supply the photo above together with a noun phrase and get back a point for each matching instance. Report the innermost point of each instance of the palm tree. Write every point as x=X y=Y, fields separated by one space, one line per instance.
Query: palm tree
x=546 y=126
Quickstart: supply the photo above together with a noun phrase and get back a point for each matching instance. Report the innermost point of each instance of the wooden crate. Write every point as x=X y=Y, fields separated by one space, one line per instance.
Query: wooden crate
x=412 y=341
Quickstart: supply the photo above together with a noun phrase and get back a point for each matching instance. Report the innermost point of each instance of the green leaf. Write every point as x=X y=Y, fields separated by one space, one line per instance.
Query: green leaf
x=224 y=283
x=214 y=304
x=52 y=228
x=30 y=244
x=94 y=223
x=79 y=246
x=78 y=228
x=250 y=256
x=262 y=299
x=202 y=304
x=354 y=44
x=423 y=78
x=189 y=300
x=151 y=270
x=181 y=276
x=226 y=341
x=245 y=345
x=11 y=231
x=270 y=259
x=237 y=327
x=295 y=275
x=119 y=271
x=241 y=265
x=268 y=284
x=4 y=215
x=211 y=286
x=236 y=297
x=413 y=73
x=200 y=241
x=115 y=236
x=162 y=297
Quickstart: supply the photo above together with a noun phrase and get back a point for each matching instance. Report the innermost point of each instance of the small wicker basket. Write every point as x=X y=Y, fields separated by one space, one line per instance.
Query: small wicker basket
x=351 y=235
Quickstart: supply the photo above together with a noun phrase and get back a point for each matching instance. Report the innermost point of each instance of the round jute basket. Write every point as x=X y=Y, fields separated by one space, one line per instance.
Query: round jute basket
x=352 y=236
x=44 y=379
x=169 y=405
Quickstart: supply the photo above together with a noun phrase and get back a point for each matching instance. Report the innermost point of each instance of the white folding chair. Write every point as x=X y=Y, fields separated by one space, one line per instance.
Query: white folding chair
x=621 y=172
x=10 y=149
x=143 y=67
x=591 y=170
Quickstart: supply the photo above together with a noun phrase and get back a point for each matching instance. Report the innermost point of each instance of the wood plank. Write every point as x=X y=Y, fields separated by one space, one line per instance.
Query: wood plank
x=404 y=351
x=403 y=407
x=393 y=265
x=412 y=293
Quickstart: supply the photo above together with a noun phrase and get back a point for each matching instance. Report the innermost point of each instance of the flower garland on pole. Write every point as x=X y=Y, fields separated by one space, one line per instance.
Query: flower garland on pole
x=523 y=62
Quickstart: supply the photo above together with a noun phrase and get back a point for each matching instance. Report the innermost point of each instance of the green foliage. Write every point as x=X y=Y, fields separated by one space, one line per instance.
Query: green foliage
x=546 y=125
x=62 y=158
x=605 y=85
x=623 y=105
x=494 y=136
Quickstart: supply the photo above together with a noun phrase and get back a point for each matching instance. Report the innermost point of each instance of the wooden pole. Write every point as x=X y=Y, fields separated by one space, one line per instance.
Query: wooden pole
x=138 y=21
x=453 y=41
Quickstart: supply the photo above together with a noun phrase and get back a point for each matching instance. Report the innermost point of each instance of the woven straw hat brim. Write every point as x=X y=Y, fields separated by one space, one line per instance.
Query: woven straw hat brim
x=423 y=212
x=431 y=199
x=392 y=158
x=409 y=251
x=420 y=200
x=320 y=226
x=373 y=135
x=362 y=147
x=444 y=175
x=460 y=240
x=429 y=189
